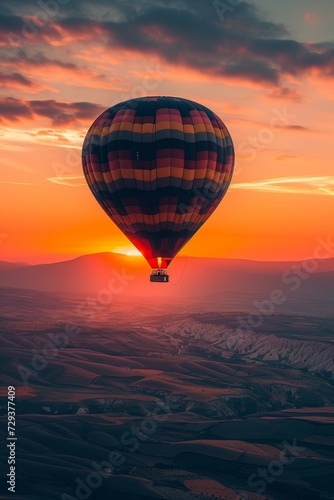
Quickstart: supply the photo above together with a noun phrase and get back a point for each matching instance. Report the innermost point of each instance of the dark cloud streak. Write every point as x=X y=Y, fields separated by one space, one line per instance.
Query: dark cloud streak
x=15 y=79
x=59 y=113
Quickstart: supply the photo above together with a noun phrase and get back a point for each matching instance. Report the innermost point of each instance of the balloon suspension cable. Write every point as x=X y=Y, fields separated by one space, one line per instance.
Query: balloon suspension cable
x=184 y=265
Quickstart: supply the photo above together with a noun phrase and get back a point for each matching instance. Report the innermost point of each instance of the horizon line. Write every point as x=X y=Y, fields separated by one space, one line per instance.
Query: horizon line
x=70 y=259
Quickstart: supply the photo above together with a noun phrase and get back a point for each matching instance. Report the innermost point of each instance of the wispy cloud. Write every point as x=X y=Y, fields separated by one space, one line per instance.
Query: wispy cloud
x=287 y=94
x=291 y=185
x=289 y=157
x=37 y=138
x=19 y=183
x=68 y=180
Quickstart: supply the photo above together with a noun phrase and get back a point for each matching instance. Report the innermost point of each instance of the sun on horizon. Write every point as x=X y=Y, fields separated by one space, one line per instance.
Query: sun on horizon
x=129 y=251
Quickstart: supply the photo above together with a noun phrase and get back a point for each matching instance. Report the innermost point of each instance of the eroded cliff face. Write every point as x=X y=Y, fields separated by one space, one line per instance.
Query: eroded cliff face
x=316 y=355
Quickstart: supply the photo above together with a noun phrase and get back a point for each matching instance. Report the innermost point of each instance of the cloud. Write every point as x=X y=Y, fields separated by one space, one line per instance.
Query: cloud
x=69 y=180
x=14 y=79
x=40 y=61
x=53 y=135
x=50 y=69
x=291 y=185
x=244 y=46
x=19 y=183
x=12 y=109
x=18 y=81
x=298 y=128
x=282 y=126
x=288 y=157
x=59 y=113
x=9 y=23
x=287 y=94
x=64 y=113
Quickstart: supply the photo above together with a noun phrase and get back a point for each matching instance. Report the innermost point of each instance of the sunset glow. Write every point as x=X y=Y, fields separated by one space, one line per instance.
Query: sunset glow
x=129 y=251
x=271 y=83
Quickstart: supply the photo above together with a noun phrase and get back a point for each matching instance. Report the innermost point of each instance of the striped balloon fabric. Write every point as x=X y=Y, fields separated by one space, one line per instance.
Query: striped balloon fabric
x=158 y=166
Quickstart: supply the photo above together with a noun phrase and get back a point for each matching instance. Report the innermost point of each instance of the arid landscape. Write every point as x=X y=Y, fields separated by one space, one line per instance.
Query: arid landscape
x=221 y=395
x=182 y=137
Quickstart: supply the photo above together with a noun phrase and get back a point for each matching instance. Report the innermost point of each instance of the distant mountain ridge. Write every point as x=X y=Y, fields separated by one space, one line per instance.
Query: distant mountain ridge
x=11 y=265
x=210 y=279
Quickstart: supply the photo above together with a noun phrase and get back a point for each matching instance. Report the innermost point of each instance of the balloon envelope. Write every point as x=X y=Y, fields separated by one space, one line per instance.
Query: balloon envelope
x=158 y=166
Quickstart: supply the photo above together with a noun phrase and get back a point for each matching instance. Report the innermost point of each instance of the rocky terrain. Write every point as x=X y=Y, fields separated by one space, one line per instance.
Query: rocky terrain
x=134 y=402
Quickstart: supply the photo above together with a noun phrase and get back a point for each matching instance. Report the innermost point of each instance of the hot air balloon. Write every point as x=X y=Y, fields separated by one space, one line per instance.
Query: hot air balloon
x=158 y=166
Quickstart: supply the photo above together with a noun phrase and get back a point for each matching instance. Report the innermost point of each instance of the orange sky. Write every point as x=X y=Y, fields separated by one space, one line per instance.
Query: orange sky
x=54 y=85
